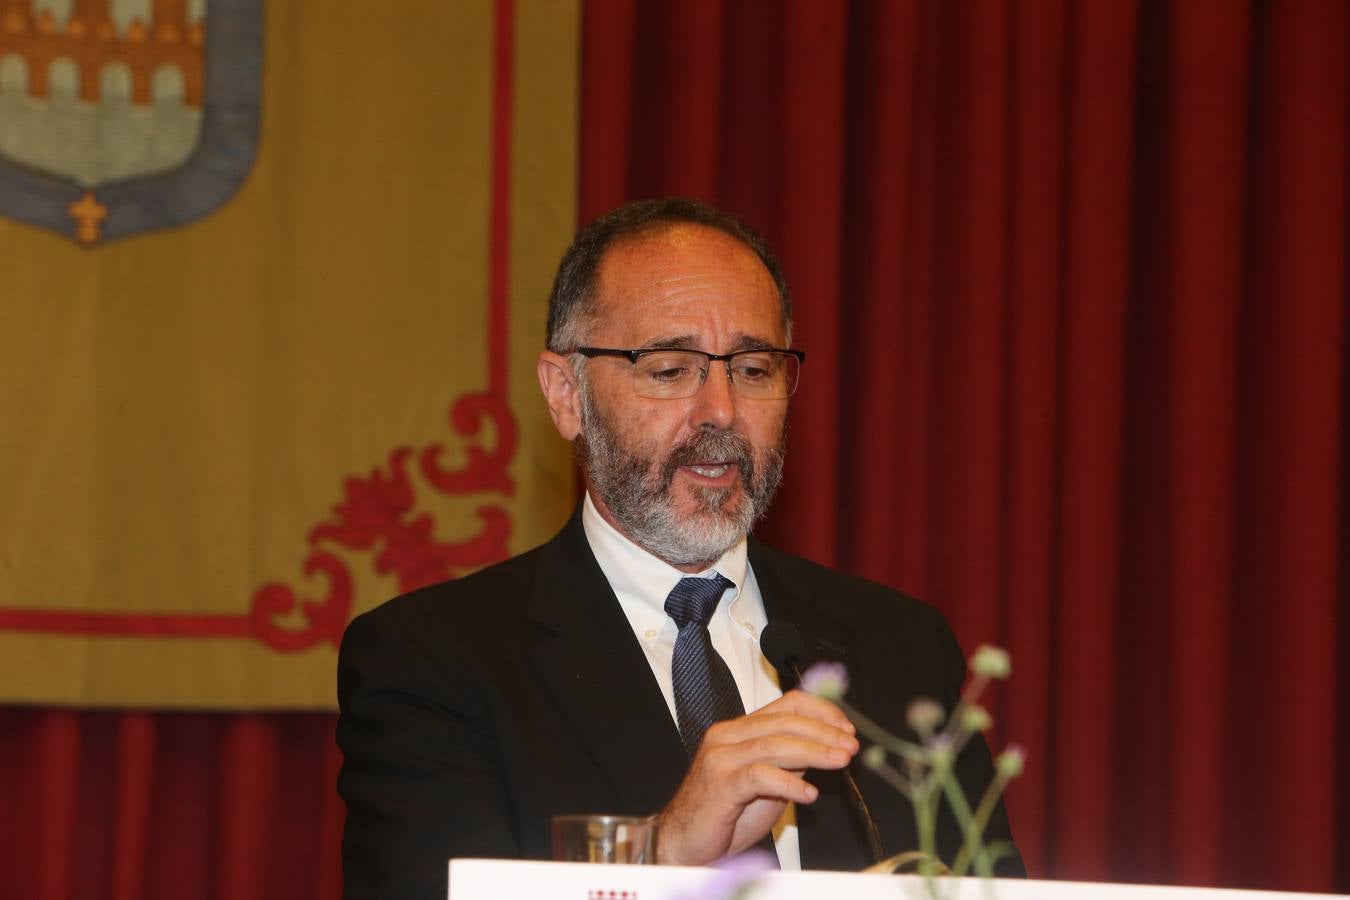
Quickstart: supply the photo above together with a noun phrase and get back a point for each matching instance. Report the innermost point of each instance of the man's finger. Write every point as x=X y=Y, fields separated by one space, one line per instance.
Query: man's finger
x=765 y=780
x=809 y=705
x=765 y=724
x=780 y=751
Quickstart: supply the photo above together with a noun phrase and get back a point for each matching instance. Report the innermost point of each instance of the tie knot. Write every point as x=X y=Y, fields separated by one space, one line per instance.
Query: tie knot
x=692 y=601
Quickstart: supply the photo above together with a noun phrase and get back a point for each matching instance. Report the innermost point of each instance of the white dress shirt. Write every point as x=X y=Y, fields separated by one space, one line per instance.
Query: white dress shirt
x=642 y=582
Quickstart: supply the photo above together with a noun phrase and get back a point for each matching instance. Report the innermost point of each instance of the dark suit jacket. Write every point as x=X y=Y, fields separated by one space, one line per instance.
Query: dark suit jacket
x=473 y=711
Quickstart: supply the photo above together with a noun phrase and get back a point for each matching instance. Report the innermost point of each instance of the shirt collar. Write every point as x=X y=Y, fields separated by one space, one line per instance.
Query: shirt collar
x=640 y=580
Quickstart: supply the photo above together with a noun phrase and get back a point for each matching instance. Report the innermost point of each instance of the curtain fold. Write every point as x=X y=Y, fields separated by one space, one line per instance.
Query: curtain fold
x=1072 y=281
x=142 y=806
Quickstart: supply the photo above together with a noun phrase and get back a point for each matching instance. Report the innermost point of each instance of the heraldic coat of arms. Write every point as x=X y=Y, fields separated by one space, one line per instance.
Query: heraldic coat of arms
x=120 y=116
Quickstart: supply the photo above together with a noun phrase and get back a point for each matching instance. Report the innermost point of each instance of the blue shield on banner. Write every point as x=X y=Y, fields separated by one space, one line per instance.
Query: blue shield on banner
x=119 y=116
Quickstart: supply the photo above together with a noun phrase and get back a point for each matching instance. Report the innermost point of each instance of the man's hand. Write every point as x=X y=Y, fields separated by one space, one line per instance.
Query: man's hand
x=745 y=772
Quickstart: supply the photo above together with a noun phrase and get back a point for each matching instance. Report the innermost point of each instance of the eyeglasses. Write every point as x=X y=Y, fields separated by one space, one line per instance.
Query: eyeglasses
x=674 y=374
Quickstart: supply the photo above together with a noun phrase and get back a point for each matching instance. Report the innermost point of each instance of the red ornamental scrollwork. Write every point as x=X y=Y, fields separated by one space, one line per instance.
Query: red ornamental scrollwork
x=324 y=618
x=374 y=515
x=486 y=469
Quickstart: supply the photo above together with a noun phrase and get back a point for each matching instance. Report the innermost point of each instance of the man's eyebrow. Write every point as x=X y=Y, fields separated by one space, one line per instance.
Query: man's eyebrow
x=690 y=342
x=678 y=342
x=752 y=342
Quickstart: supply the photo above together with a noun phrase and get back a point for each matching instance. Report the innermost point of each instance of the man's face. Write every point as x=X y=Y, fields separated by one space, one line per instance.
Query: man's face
x=684 y=478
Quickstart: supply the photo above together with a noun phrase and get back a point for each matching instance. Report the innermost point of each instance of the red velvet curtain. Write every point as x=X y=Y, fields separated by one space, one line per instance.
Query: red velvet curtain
x=1072 y=277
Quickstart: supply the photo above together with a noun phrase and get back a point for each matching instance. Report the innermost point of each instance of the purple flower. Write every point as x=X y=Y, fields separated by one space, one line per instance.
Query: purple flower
x=731 y=876
x=751 y=862
x=940 y=751
x=826 y=679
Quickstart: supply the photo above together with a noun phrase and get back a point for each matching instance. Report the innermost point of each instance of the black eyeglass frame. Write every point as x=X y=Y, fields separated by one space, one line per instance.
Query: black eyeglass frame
x=634 y=355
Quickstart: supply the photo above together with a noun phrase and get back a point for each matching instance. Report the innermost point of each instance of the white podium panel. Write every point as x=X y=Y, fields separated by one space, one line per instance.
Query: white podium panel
x=499 y=879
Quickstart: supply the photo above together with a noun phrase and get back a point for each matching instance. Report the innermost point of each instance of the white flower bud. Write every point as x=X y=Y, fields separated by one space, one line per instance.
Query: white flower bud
x=925 y=715
x=874 y=757
x=976 y=718
x=1011 y=761
x=991 y=662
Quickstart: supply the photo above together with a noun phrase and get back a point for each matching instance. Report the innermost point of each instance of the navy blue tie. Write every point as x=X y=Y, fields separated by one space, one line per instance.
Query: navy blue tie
x=705 y=692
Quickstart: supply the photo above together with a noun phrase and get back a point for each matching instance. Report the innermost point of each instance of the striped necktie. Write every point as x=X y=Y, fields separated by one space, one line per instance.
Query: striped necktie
x=705 y=691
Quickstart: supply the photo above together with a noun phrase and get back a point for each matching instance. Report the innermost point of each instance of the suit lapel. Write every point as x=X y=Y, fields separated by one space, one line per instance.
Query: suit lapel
x=790 y=600
x=830 y=835
x=584 y=648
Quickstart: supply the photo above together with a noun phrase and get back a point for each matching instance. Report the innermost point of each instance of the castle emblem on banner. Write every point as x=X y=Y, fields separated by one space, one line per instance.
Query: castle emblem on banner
x=122 y=116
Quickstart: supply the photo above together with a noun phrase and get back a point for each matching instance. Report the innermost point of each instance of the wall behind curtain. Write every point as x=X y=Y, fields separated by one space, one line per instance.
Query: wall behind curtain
x=1072 y=278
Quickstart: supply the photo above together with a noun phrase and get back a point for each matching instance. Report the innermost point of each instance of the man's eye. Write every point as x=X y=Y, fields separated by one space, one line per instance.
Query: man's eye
x=668 y=374
x=668 y=368
x=754 y=368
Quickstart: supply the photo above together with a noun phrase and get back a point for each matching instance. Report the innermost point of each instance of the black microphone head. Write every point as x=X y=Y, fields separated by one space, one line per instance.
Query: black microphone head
x=782 y=645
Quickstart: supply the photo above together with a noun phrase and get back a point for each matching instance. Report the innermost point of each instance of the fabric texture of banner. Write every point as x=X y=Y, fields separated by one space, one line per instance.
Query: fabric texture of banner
x=224 y=439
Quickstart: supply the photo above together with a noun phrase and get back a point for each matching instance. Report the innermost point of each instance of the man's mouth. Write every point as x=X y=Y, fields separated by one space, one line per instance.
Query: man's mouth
x=716 y=461
x=710 y=469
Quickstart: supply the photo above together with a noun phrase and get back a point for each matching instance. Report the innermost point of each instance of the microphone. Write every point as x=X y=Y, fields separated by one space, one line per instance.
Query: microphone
x=782 y=645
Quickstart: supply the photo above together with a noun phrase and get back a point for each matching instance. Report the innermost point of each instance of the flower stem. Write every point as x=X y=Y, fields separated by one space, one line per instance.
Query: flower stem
x=877 y=734
x=925 y=811
x=982 y=813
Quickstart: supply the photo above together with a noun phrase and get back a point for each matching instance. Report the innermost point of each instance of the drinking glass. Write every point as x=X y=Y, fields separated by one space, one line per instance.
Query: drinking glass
x=604 y=839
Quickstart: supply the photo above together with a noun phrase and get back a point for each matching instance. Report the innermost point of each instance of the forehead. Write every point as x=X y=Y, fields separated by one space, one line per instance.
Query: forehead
x=686 y=281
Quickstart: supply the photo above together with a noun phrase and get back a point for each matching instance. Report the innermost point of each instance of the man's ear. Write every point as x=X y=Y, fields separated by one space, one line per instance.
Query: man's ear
x=560 y=391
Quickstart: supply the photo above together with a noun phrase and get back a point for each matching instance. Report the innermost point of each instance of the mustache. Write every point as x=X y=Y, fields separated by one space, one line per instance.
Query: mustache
x=707 y=446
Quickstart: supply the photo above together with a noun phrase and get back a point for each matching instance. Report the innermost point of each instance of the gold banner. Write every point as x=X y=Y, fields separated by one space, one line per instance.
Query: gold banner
x=223 y=440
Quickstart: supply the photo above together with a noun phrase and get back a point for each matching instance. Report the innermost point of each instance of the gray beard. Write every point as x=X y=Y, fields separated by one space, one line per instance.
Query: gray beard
x=637 y=491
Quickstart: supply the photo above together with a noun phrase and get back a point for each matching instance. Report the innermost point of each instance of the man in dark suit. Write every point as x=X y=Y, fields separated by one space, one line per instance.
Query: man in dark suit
x=610 y=669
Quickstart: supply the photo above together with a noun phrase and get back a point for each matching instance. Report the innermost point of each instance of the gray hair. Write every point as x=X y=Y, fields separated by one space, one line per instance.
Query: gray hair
x=572 y=301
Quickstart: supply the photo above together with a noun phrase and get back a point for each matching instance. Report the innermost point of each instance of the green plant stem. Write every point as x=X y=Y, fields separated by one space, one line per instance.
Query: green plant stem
x=896 y=779
x=953 y=729
x=923 y=797
x=982 y=814
x=972 y=829
x=874 y=732
x=925 y=812
x=972 y=839
x=929 y=776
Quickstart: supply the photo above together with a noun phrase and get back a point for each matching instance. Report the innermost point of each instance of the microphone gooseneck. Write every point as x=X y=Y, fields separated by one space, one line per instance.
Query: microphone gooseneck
x=782 y=645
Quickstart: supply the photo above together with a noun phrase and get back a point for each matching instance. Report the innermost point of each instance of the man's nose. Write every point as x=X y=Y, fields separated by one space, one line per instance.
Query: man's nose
x=715 y=402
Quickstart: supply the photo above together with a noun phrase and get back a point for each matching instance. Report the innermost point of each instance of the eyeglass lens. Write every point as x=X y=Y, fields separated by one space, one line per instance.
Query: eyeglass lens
x=758 y=375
